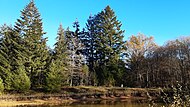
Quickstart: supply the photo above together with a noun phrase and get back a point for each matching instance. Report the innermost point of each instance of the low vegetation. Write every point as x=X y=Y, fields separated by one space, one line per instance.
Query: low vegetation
x=81 y=93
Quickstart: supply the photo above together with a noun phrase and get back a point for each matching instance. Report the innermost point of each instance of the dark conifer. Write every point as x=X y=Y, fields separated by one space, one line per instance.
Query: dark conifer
x=57 y=75
x=14 y=55
x=29 y=26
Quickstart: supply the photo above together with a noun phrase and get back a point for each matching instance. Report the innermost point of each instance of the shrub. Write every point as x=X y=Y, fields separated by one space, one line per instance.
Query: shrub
x=1 y=85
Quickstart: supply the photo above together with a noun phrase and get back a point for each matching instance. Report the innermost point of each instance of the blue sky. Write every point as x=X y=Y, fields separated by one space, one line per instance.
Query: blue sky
x=163 y=19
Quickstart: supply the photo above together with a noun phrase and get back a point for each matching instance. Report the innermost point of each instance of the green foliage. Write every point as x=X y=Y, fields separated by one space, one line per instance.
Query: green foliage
x=75 y=59
x=60 y=52
x=12 y=70
x=110 y=36
x=85 y=69
x=21 y=82
x=1 y=85
x=109 y=44
x=56 y=75
x=26 y=62
x=54 y=79
x=29 y=27
x=5 y=65
x=6 y=77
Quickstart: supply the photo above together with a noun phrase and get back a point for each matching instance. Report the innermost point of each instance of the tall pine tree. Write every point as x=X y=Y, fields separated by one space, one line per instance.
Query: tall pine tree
x=90 y=39
x=111 y=36
x=105 y=45
x=57 y=75
x=12 y=69
x=76 y=59
x=5 y=66
x=29 y=26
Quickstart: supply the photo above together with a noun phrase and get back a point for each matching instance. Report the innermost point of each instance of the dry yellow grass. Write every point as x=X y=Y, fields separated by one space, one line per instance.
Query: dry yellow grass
x=32 y=102
x=19 y=103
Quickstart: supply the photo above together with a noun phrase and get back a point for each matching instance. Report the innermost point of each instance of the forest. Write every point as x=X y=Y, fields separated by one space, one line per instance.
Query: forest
x=96 y=55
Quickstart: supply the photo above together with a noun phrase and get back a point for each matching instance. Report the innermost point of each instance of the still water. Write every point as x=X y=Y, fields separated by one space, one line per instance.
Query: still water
x=103 y=104
x=112 y=105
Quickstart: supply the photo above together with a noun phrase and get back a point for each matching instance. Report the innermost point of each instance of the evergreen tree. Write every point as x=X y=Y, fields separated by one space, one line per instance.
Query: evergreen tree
x=60 y=51
x=107 y=40
x=57 y=74
x=30 y=29
x=76 y=59
x=111 y=36
x=53 y=78
x=90 y=40
x=21 y=82
x=5 y=66
x=70 y=58
x=12 y=50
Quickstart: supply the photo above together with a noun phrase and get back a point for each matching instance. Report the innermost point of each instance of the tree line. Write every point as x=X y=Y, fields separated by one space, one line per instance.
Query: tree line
x=96 y=55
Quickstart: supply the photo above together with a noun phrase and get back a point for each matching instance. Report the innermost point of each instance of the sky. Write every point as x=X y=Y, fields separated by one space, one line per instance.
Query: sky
x=163 y=19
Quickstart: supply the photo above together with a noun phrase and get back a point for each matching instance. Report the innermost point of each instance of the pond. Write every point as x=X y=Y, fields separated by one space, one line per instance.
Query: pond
x=102 y=104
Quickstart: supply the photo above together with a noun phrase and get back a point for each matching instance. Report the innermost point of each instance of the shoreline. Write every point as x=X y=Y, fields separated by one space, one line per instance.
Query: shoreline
x=57 y=101
x=69 y=95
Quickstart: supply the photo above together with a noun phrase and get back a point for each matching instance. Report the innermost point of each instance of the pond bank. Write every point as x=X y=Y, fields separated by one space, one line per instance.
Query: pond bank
x=81 y=93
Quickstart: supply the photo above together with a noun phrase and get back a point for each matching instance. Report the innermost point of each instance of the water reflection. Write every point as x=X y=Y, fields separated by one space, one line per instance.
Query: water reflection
x=102 y=103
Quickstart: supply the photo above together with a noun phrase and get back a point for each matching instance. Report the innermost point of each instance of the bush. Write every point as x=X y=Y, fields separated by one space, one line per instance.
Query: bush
x=21 y=82
x=53 y=83
x=54 y=79
x=1 y=85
